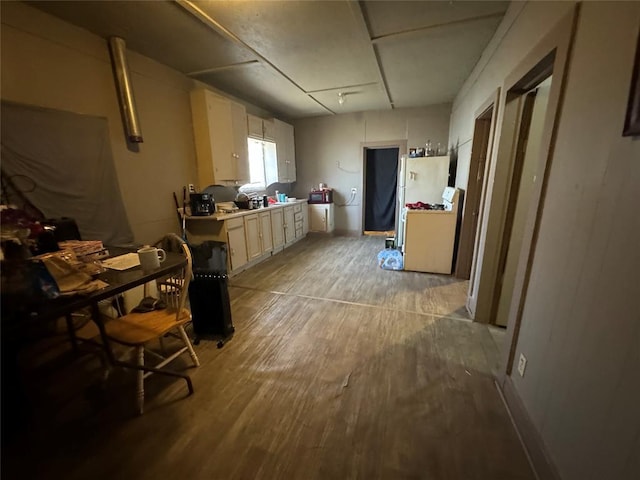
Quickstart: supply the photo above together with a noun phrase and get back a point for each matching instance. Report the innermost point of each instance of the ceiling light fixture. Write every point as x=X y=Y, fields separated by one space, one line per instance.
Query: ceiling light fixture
x=341 y=98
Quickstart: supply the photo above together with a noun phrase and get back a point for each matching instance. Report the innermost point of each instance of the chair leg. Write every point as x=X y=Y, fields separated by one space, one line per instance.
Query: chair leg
x=140 y=378
x=187 y=342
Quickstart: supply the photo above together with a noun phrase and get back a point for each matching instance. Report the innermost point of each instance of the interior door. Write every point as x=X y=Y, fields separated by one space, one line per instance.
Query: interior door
x=381 y=178
x=469 y=228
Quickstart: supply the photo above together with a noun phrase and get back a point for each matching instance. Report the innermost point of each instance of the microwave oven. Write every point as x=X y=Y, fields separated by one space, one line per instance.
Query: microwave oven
x=321 y=196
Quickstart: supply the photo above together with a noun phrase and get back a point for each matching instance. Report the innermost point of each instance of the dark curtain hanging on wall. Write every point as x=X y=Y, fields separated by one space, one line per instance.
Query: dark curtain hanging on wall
x=66 y=160
x=380 y=198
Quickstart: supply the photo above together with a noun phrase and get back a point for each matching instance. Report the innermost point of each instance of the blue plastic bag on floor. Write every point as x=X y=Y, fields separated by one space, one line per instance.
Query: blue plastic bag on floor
x=390 y=259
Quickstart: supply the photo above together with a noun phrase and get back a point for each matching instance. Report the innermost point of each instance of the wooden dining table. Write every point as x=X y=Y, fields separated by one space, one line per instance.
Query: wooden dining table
x=20 y=312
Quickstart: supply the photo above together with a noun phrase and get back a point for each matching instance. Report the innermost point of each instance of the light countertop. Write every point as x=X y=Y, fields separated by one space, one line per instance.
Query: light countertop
x=240 y=213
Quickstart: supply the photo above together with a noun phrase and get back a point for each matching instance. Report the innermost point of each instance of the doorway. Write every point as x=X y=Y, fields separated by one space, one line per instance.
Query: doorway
x=523 y=181
x=380 y=188
x=548 y=58
x=476 y=188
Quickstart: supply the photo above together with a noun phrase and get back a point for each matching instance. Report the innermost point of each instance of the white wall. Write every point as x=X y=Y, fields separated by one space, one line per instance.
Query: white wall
x=50 y=63
x=524 y=24
x=581 y=323
x=329 y=150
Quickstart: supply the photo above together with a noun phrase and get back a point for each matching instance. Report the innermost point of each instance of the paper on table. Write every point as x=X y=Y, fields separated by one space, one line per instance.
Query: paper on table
x=122 y=262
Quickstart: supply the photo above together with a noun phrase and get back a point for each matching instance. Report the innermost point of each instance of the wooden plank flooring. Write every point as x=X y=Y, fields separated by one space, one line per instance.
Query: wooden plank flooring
x=337 y=370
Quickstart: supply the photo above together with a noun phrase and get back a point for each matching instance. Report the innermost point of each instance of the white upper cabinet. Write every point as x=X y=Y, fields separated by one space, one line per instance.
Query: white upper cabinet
x=261 y=128
x=240 y=147
x=254 y=126
x=269 y=129
x=220 y=130
x=286 y=153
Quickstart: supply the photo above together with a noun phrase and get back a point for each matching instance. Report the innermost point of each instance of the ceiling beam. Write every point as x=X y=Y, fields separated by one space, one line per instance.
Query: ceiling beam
x=344 y=87
x=223 y=68
x=358 y=15
x=418 y=30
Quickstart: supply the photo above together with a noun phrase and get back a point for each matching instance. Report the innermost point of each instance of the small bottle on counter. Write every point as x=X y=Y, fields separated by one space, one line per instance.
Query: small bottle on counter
x=265 y=201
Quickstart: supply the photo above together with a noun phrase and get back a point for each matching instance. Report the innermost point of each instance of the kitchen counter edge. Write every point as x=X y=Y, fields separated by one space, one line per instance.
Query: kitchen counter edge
x=226 y=216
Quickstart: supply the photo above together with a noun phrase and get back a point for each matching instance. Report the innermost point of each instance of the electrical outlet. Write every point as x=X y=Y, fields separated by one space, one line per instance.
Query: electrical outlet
x=522 y=364
x=354 y=190
x=192 y=189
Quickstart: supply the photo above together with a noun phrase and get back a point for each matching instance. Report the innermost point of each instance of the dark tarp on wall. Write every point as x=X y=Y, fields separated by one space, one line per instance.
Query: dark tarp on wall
x=67 y=158
x=380 y=198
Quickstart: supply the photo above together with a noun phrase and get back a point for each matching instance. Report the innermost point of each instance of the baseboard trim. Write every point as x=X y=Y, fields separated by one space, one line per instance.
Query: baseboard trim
x=541 y=462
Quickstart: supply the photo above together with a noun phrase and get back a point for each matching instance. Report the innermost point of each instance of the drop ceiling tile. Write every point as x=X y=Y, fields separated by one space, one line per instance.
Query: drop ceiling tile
x=430 y=67
x=159 y=30
x=318 y=44
x=387 y=17
x=322 y=46
x=357 y=99
x=264 y=88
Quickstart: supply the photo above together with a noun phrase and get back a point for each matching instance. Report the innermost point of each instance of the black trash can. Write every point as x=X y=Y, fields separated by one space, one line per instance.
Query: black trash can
x=209 y=292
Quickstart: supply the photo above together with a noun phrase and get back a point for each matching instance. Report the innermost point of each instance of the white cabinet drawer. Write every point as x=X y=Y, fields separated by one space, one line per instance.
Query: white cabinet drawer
x=297 y=207
x=234 y=223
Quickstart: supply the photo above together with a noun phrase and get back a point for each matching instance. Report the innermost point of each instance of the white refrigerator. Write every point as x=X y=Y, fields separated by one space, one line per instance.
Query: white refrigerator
x=420 y=179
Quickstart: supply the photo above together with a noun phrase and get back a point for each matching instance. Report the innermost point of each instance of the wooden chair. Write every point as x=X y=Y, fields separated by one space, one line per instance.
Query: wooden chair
x=139 y=329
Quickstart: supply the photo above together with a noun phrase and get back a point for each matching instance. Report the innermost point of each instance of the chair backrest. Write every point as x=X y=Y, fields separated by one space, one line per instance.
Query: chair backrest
x=174 y=289
x=171 y=242
x=188 y=275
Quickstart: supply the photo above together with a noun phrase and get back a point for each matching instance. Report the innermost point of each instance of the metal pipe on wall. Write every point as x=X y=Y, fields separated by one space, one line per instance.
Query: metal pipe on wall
x=117 y=47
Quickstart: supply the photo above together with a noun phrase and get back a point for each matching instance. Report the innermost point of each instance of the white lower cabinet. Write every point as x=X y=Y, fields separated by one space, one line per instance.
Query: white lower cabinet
x=321 y=217
x=277 y=228
x=266 y=238
x=237 y=243
x=298 y=219
x=289 y=225
x=258 y=232
x=252 y=233
x=253 y=236
x=305 y=218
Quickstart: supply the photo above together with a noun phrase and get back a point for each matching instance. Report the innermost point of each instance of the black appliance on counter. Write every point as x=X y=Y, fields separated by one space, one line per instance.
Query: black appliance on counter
x=209 y=292
x=202 y=204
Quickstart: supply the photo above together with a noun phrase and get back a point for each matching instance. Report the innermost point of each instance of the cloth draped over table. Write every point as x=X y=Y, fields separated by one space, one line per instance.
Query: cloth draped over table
x=62 y=163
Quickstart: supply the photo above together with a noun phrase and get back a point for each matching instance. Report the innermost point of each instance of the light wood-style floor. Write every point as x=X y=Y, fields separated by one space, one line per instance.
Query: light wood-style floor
x=338 y=370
